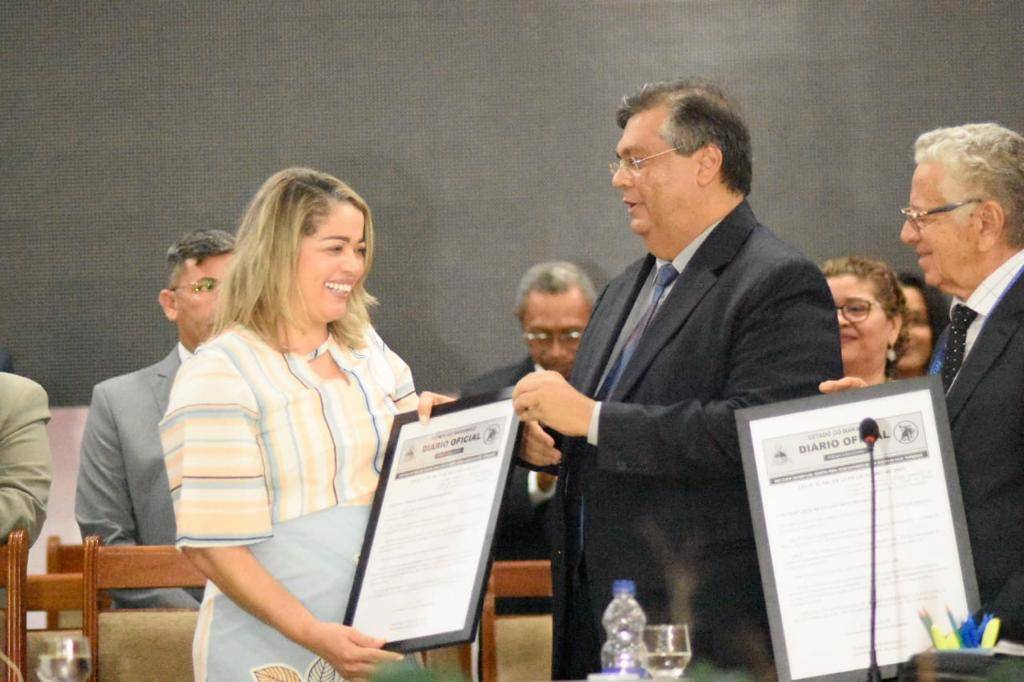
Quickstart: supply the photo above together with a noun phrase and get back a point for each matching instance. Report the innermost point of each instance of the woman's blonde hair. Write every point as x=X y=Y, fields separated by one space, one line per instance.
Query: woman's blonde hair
x=261 y=288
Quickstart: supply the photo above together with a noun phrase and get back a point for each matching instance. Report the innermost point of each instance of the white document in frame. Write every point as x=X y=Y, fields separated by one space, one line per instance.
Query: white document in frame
x=442 y=493
x=814 y=482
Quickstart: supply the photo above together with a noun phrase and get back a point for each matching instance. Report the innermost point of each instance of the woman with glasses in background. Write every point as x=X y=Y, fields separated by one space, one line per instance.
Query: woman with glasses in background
x=871 y=308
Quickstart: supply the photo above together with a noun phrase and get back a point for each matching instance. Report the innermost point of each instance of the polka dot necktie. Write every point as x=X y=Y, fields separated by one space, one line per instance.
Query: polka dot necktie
x=957 y=342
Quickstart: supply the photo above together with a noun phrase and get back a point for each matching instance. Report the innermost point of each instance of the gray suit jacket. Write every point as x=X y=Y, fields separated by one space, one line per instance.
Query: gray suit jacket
x=123 y=495
x=25 y=461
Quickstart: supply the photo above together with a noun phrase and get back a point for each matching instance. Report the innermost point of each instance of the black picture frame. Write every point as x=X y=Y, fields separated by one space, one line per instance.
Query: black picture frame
x=467 y=632
x=747 y=416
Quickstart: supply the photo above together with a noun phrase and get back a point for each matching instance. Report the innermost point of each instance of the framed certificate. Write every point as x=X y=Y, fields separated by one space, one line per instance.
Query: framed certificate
x=425 y=561
x=808 y=480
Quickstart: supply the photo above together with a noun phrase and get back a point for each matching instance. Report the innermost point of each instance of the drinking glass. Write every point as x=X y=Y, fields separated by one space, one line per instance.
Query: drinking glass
x=668 y=650
x=65 y=658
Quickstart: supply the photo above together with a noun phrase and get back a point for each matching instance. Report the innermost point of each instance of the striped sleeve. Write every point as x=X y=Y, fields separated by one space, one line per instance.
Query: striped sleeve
x=213 y=456
x=404 y=397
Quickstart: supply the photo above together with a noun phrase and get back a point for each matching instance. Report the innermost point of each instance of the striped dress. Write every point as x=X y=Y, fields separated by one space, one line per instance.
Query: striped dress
x=264 y=452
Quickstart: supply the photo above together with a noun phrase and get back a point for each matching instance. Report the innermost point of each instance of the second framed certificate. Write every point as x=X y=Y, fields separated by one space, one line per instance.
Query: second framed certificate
x=809 y=479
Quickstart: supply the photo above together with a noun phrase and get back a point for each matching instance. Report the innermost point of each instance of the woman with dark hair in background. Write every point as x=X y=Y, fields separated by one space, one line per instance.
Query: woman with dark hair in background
x=871 y=309
x=927 y=316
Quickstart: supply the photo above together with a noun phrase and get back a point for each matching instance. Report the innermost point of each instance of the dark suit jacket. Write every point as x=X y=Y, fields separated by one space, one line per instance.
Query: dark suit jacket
x=986 y=414
x=523 y=531
x=749 y=321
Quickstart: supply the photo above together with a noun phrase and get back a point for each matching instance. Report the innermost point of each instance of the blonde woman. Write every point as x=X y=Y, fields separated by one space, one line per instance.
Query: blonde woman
x=274 y=435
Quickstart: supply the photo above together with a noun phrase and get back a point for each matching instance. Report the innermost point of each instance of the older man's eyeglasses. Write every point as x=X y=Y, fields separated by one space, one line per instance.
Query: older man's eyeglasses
x=855 y=309
x=634 y=166
x=914 y=216
x=569 y=337
x=200 y=286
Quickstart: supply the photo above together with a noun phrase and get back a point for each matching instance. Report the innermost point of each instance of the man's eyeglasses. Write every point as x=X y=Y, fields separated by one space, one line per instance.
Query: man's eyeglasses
x=634 y=165
x=914 y=215
x=855 y=309
x=546 y=338
x=199 y=286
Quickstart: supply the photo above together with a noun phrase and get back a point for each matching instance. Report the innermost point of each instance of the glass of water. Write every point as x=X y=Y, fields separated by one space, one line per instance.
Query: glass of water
x=668 y=651
x=65 y=658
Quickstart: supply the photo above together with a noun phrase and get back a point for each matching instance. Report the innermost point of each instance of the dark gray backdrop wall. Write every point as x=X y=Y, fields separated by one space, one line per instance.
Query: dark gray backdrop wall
x=479 y=132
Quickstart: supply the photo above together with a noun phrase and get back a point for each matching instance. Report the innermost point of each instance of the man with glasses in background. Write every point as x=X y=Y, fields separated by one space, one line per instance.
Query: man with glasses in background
x=123 y=495
x=719 y=315
x=553 y=303
x=966 y=223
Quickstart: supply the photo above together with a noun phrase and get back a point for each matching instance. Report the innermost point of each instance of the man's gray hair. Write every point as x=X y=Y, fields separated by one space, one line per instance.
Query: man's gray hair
x=197 y=245
x=553 y=277
x=986 y=158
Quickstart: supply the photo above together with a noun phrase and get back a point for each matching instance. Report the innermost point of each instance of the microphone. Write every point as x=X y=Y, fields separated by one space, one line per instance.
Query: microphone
x=869 y=434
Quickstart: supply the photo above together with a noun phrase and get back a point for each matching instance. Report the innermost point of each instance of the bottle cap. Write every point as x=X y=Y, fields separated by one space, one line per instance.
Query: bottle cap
x=624 y=586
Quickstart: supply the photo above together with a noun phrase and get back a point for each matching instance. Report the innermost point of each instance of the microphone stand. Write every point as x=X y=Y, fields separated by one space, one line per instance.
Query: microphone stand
x=874 y=674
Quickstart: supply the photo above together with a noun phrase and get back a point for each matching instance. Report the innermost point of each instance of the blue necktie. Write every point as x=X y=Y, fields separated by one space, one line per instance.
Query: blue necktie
x=666 y=275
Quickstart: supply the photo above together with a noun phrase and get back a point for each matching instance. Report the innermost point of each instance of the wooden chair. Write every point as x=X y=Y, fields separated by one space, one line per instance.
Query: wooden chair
x=61 y=558
x=56 y=592
x=170 y=630
x=514 y=579
x=14 y=561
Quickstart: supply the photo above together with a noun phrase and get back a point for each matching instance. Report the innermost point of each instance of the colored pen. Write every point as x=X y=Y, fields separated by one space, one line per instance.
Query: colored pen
x=988 y=640
x=956 y=629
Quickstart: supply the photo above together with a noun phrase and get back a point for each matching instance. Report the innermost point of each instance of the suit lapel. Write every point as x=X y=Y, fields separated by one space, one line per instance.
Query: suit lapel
x=1006 y=320
x=603 y=330
x=697 y=278
x=162 y=378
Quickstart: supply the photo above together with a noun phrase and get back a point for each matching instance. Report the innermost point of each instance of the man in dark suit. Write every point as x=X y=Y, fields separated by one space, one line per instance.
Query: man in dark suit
x=122 y=494
x=966 y=223
x=651 y=483
x=553 y=303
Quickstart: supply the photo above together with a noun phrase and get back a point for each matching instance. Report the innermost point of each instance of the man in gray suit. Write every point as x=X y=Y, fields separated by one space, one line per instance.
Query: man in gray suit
x=123 y=494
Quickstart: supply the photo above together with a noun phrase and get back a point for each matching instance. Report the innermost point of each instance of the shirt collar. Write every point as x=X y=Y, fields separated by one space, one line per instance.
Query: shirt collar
x=682 y=259
x=184 y=353
x=987 y=294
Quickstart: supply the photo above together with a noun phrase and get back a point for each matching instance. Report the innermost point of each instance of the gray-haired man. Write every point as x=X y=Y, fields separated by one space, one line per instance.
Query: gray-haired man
x=553 y=304
x=966 y=223
x=123 y=494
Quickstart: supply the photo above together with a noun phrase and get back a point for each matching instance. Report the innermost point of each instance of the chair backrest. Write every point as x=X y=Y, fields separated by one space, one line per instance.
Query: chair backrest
x=50 y=592
x=14 y=560
x=128 y=567
x=61 y=558
x=508 y=579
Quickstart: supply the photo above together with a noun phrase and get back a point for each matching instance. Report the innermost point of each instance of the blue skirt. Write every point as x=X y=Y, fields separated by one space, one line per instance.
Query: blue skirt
x=314 y=557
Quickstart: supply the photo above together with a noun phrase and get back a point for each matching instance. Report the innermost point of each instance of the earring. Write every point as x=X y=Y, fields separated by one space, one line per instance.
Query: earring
x=890 y=354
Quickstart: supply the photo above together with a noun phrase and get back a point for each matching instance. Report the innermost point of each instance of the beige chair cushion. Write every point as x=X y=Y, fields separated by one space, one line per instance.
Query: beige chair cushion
x=443 y=660
x=69 y=620
x=523 y=648
x=146 y=644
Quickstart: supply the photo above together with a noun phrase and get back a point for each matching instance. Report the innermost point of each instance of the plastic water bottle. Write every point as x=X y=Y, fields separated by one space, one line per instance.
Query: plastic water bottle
x=624 y=621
